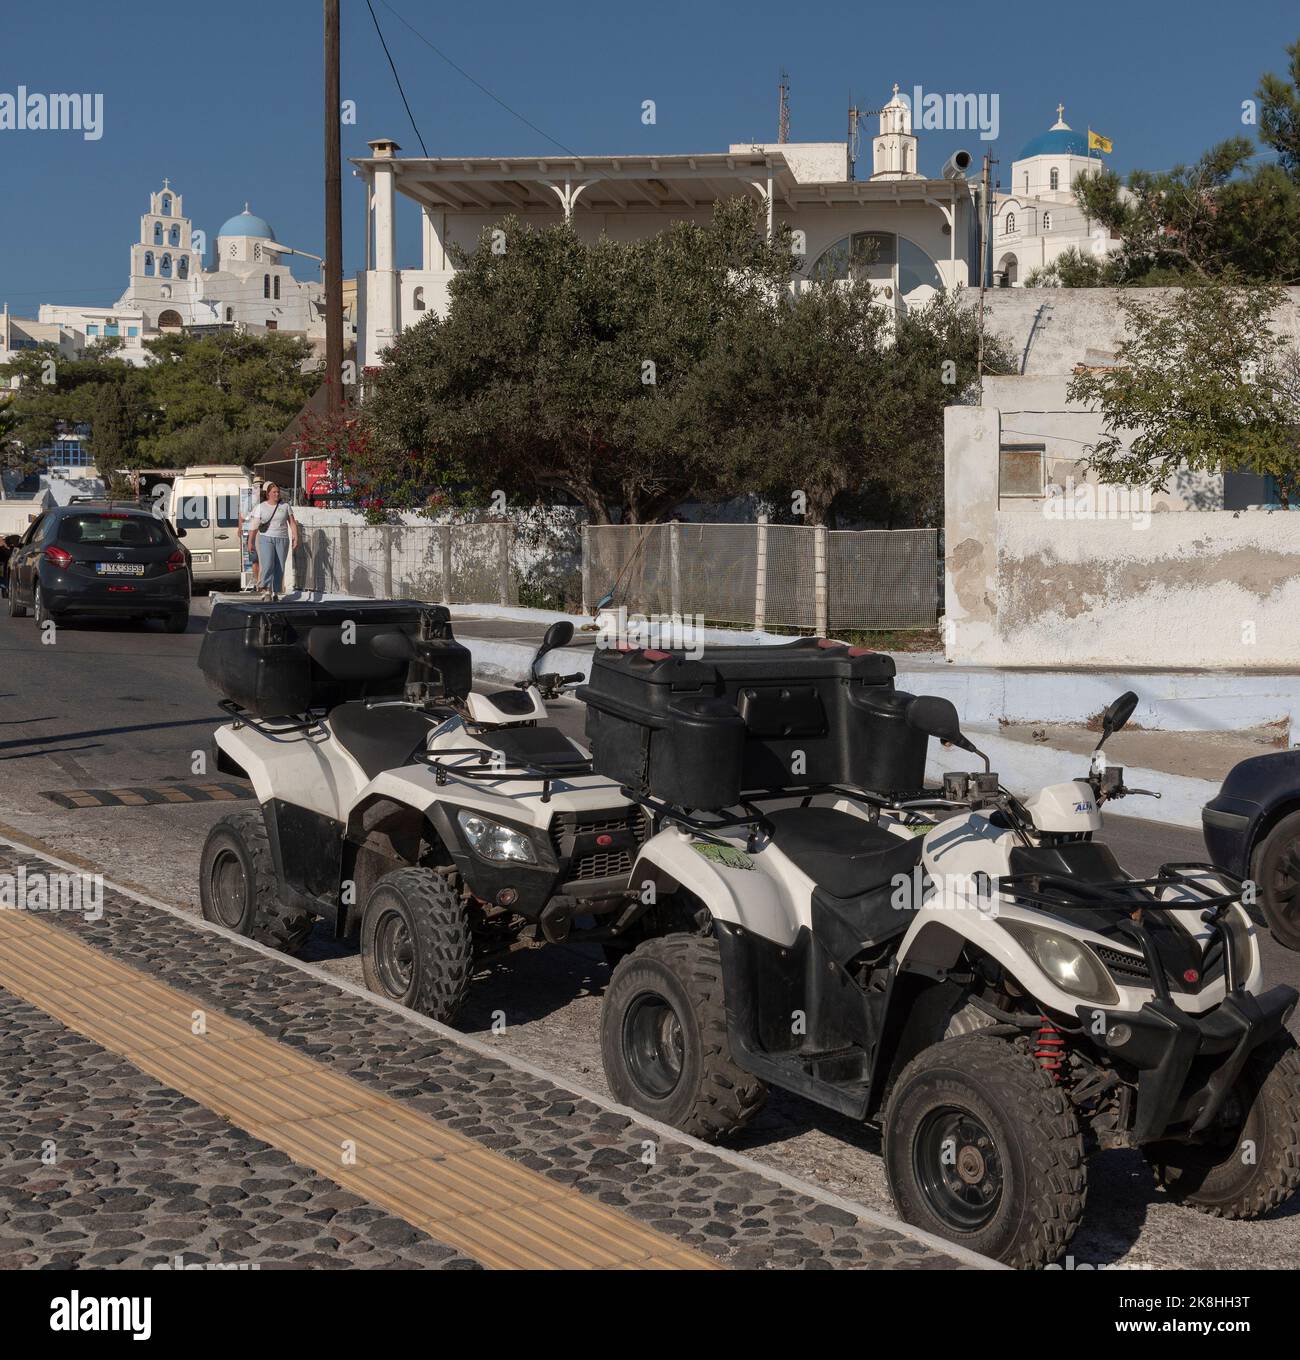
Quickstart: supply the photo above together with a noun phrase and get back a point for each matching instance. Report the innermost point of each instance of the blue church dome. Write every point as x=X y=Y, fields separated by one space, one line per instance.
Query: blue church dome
x=247 y=224
x=1056 y=141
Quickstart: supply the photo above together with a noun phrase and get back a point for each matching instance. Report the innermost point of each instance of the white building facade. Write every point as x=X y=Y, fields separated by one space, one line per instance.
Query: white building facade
x=910 y=235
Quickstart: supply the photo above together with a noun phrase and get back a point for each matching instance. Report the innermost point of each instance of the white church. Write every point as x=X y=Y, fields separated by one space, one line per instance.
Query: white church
x=249 y=284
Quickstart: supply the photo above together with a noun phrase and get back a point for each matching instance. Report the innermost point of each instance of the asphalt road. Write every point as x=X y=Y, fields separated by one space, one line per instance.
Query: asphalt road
x=108 y=705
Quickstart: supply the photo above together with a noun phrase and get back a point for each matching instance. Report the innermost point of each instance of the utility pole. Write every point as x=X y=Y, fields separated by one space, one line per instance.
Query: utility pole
x=783 y=109
x=986 y=248
x=333 y=217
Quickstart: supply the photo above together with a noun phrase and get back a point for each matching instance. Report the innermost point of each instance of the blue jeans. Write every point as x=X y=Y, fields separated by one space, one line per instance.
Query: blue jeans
x=272 y=553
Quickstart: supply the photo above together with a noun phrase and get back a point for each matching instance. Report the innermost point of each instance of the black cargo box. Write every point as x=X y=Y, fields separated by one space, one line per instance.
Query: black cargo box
x=700 y=732
x=277 y=659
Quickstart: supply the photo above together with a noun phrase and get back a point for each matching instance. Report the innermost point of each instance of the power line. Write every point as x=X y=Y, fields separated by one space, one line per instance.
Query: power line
x=478 y=84
x=396 y=77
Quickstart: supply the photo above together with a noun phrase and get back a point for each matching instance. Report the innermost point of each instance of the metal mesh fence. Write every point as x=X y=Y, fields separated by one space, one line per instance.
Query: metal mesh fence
x=442 y=563
x=794 y=576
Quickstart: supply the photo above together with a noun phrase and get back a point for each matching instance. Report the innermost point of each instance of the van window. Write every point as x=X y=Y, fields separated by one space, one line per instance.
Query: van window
x=227 y=509
x=191 y=511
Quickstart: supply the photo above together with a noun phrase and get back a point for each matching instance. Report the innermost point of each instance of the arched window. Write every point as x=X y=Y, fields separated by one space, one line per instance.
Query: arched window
x=266 y=285
x=1047 y=221
x=183 y=267
x=165 y=268
x=157 y=233
x=1009 y=226
x=167 y=205
x=417 y=300
x=1054 y=178
x=277 y=288
x=174 y=236
x=148 y=264
x=169 y=320
x=881 y=259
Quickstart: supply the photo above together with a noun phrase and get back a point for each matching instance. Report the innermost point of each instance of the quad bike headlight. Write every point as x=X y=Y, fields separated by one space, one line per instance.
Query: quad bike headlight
x=1068 y=963
x=495 y=841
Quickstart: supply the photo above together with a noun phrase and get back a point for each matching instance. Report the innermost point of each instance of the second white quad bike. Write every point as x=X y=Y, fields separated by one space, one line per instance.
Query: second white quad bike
x=445 y=826
x=974 y=973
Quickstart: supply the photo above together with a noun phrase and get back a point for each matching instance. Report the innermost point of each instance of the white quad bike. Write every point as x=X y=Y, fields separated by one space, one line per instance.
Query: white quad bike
x=448 y=829
x=979 y=977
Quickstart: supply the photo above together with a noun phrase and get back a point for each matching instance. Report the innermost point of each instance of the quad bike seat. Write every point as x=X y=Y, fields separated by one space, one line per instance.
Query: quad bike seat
x=844 y=855
x=380 y=739
x=544 y=747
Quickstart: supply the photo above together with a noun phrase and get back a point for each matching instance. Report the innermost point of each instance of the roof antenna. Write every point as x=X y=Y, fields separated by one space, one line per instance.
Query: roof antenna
x=783 y=114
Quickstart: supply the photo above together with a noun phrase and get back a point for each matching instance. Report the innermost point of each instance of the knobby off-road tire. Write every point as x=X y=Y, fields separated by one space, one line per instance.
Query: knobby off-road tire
x=1256 y=1167
x=416 y=944
x=983 y=1149
x=663 y=1039
x=238 y=887
x=1276 y=869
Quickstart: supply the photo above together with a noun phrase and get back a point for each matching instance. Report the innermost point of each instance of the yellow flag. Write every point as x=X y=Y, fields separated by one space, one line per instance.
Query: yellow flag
x=1096 y=142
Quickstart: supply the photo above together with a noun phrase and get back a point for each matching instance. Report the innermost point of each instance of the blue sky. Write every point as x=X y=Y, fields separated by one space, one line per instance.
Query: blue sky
x=226 y=98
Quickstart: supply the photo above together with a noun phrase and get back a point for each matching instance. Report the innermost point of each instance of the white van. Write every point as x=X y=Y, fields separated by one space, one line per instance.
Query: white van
x=205 y=502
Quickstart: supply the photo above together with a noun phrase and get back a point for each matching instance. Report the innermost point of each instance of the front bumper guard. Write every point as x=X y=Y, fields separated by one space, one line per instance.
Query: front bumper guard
x=1187 y=1064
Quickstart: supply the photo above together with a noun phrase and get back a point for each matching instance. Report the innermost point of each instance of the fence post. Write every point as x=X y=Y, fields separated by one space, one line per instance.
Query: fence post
x=760 y=574
x=345 y=559
x=675 y=568
x=388 y=561
x=503 y=552
x=586 y=569
x=820 y=592
x=446 y=563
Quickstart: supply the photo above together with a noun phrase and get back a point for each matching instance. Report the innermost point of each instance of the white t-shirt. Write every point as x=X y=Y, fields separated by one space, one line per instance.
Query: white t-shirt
x=272 y=520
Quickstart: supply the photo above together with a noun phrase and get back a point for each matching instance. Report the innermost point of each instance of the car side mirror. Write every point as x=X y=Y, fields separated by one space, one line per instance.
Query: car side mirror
x=180 y=533
x=1117 y=715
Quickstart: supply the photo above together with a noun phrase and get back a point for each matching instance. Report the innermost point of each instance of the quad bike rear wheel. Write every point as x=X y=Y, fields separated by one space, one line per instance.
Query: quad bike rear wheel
x=1252 y=1165
x=983 y=1149
x=416 y=944
x=238 y=887
x=663 y=1039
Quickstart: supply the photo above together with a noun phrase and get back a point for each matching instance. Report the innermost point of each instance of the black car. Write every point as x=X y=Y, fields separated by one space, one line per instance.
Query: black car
x=1252 y=829
x=101 y=559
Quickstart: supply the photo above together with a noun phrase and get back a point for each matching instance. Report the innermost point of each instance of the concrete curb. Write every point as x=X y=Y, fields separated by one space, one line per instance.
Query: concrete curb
x=959 y=1254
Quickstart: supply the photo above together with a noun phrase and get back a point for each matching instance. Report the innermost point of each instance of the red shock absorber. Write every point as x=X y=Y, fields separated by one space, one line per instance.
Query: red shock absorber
x=1050 y=1050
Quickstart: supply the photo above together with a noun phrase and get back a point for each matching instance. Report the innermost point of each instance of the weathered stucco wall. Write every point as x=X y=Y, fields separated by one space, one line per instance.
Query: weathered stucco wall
x=1212 y=589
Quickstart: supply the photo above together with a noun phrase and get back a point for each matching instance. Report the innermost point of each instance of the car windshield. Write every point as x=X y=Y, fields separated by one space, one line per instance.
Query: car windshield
x=112 y=531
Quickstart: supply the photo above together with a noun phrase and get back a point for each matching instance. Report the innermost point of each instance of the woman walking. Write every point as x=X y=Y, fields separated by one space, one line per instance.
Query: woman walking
x=275 y=533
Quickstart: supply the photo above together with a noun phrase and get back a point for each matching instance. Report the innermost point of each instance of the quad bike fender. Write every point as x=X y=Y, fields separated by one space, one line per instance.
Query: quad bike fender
x=725 y=879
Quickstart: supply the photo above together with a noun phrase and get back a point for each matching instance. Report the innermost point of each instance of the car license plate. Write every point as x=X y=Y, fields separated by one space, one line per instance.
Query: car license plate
x=120 y=568
x=201 y=559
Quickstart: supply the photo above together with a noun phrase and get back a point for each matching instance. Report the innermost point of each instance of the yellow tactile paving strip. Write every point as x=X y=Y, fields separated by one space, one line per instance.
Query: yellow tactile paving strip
x=456 y=1190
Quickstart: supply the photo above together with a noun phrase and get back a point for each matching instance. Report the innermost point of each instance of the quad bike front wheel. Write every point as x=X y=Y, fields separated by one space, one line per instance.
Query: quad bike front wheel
x=1251 y=1162
x=663 y=1039
x=981 y=1148
x=1276 y=869
x=416 y=945
x=238 y=887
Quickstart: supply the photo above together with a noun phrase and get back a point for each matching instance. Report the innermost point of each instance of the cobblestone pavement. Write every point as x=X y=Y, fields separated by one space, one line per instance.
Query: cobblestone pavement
x=143 y=1176
x=729 y=1208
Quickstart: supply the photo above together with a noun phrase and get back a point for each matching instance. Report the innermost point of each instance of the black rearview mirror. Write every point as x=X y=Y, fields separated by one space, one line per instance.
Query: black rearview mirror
x=936 y=717
x=559 y=634
x=1117 y=715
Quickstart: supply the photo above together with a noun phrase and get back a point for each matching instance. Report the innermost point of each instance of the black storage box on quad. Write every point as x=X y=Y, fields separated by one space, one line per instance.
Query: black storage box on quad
x=700 y=732
x=279 y=659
